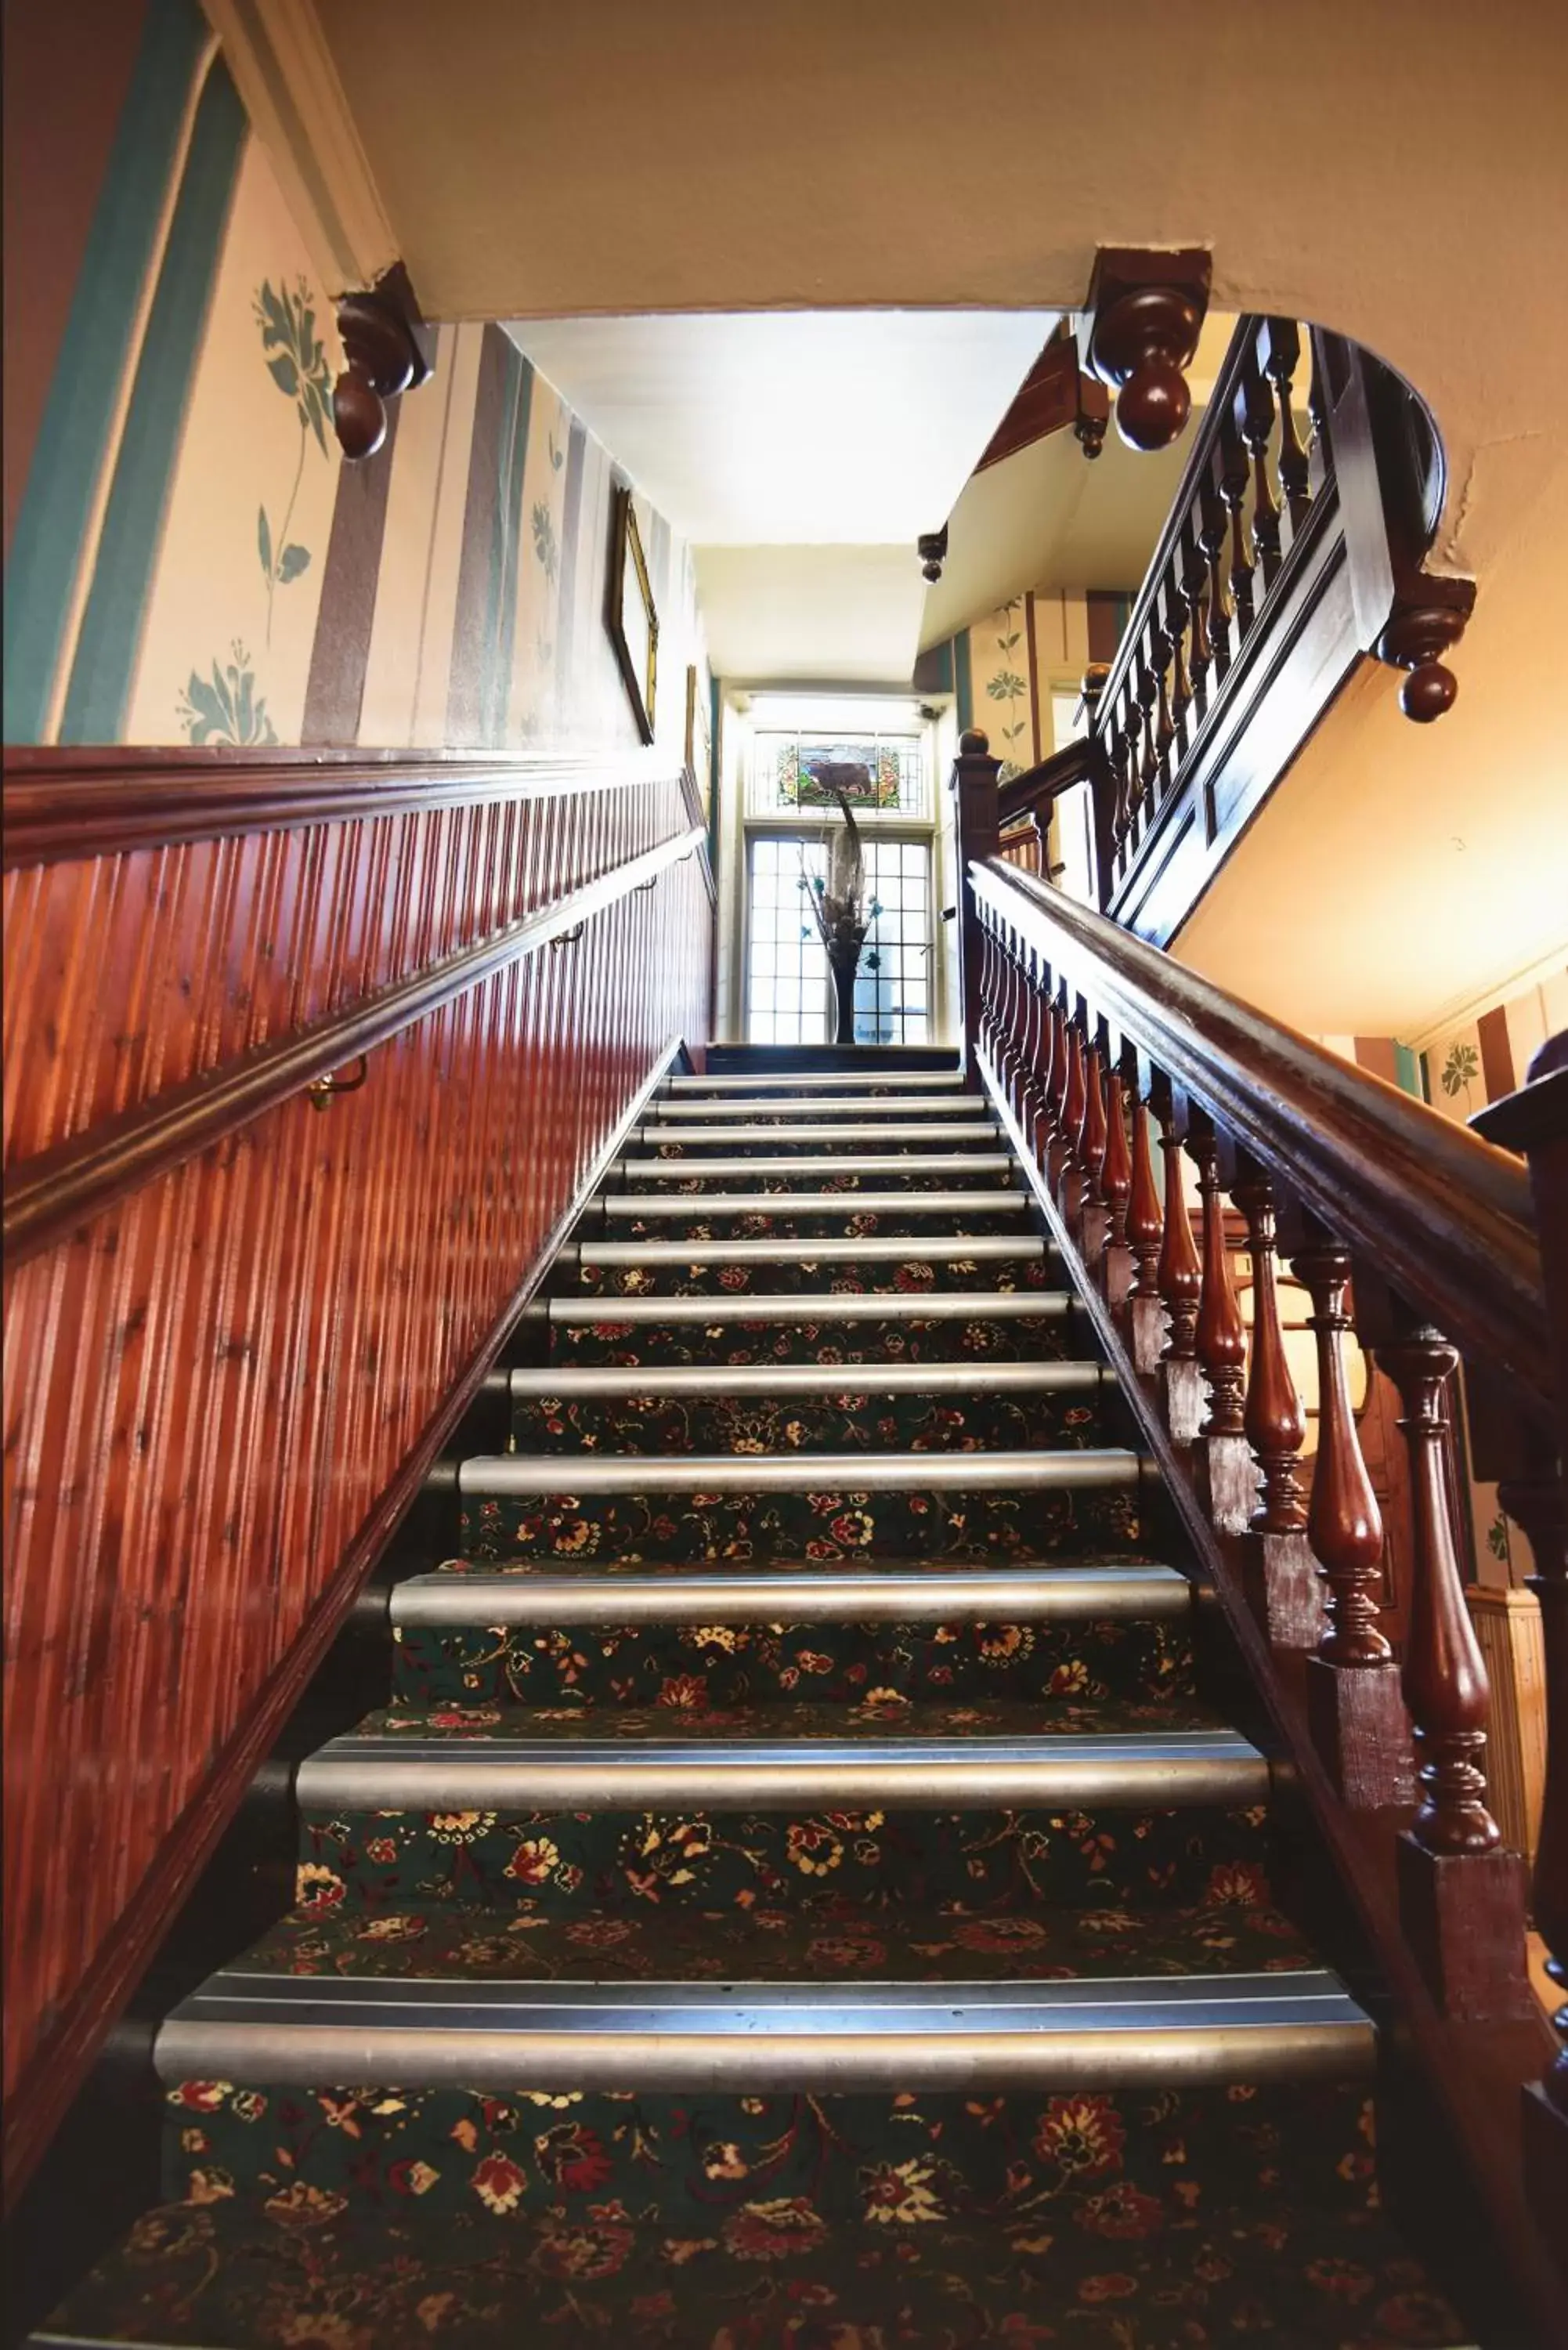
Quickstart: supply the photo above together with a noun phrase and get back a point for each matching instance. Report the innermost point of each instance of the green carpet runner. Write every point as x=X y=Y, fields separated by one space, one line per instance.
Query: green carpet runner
x=823 y=1912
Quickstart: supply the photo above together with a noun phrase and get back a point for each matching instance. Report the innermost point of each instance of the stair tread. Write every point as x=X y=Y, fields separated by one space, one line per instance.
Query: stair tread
x=233 y=2274
x=1237 y=1933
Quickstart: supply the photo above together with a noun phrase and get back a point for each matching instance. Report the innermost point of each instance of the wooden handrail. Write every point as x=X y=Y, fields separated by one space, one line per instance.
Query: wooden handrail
x=1445 y=1216
x=48 y=1196
x=1077 y=762
x=1416 y=1238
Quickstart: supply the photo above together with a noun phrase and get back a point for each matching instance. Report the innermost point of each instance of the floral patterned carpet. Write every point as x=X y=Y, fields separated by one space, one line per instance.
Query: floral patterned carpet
x=1179 y=2217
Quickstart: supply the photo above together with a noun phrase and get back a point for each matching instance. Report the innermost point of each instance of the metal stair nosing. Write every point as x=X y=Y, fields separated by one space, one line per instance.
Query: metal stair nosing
x=517 y=1475
x=717 y=1138
x=1144 y=1770
x=954 y=1104
x=649 y=1168
x=881 y=1248
x=825 y=1080
x=618 y=1205
x=651 y=2036
x=720 y=1381
x=1033 y=1595
x=807 y=1306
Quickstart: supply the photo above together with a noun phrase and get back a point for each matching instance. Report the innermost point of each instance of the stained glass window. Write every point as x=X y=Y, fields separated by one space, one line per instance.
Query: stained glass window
x=783 y=762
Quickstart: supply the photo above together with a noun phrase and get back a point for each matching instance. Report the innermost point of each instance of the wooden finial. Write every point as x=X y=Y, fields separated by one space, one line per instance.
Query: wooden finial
x=1144 y=316
x=387 y=345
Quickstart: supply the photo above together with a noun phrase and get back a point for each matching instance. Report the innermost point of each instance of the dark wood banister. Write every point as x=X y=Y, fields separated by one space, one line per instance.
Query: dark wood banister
x=1447 y=1216
x=1278 y=569
x=1424 y=1241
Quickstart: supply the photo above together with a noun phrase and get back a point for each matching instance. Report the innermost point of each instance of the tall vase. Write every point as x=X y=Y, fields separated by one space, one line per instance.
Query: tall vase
x=843 y=993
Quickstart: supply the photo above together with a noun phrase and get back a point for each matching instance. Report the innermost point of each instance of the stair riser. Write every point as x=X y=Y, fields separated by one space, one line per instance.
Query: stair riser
x=715 y=1275
x=666 y=1139
x=767 y=1173
x=561 y=1863
x=723 y=1664
x=822 y=1529
x=994 y=1215
x=949 y=1341
x=651 y=1427
x=766 y=1109
x=1107 y=2160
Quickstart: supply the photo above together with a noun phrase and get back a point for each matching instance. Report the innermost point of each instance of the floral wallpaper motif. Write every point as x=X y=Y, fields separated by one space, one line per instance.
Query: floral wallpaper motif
x=226 y=707
x=1008 y=685
x=297 y=365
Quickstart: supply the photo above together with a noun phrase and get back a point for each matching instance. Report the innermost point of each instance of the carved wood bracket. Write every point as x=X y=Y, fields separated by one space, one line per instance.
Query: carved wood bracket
x=389 y=351
x=1141 y=325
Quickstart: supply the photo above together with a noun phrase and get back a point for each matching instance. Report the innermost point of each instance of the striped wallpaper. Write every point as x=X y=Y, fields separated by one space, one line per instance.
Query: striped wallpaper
x=192 y=562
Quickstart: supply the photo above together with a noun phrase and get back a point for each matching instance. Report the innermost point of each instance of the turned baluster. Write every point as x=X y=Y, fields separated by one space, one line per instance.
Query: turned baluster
x=988 y=984
x=1147 y=798
x=1145 y=1233
x=1125 y=758
x=1115 y=1185
x=1163 y=730
x=1461 y=1893
x=1181 y=1284
x=1007 y=1058
x=1046 y=1123
x=1221 y=1336
x=1281 y=1573
x=1255 y=417
x=1195 y=595
x=1211 y=539
x=1445 y=1677
x=1354 y=1708
x=1061 y=1078
x=1180 y=679
x=1095 y=1223
x=1091 y=1134
x=1071 y=1191
x=1281 y=349
x=1233 y=491
x=1033 y=1112
x=1274 y=1419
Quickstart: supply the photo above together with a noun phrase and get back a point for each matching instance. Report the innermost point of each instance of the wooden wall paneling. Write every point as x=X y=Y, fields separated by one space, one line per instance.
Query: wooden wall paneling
x=213 y=1385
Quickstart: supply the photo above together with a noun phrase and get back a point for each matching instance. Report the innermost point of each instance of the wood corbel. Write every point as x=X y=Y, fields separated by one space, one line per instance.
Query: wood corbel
x=388 y=350
x=1141 y=323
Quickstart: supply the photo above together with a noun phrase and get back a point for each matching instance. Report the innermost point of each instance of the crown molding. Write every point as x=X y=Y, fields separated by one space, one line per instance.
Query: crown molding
x=286 y=78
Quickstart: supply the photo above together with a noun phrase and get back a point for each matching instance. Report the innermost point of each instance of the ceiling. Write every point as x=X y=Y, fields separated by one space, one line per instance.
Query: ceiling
x=809 y=614
x=794 y=427
x=809 y=155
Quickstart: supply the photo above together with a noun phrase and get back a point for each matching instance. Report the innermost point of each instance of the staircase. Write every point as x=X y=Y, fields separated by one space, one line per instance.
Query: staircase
x=798 y=1890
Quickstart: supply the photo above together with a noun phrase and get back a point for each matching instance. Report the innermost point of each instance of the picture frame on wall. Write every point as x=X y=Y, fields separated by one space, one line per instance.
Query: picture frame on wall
x=699 y=735
x=630 y=616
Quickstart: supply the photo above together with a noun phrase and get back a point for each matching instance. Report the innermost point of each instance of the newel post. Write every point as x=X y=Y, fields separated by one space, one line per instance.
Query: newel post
x=975 y=831
x=1534 y=1120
